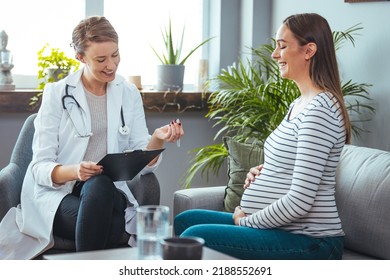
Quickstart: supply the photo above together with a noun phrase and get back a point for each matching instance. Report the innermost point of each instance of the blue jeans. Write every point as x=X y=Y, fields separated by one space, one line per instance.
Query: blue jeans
x=220 y=233
x=93 y=215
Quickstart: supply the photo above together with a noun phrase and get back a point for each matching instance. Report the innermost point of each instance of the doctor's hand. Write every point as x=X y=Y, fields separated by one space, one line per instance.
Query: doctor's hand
x=171 y=132
x=250 y=176
x=88 y=169
x=81 y=172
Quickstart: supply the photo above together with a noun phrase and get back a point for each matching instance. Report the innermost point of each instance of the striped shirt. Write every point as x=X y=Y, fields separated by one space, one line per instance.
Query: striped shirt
x=296 y=188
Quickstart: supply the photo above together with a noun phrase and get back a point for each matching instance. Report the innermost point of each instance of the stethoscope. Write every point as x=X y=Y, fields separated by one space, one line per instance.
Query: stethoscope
x=124 y=129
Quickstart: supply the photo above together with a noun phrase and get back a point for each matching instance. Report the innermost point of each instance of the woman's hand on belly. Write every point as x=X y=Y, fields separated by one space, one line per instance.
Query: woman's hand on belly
x=237 y=215
x=250 y=176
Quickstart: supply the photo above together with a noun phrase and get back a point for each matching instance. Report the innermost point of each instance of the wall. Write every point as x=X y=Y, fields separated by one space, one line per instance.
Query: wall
x=255 y=25
x=237 y=26
x=368 y=62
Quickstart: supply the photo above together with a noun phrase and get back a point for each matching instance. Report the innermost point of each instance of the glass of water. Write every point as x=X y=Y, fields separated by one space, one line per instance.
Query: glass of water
x=152 y=227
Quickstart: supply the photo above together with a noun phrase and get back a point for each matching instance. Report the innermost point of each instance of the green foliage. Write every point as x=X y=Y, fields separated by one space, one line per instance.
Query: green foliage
x=172 y=54
x=53 y=65
x=252 y=100
x=209 y=158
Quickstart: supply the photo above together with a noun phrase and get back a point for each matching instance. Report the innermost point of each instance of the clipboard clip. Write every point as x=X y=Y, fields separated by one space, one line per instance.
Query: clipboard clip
x=131 y=151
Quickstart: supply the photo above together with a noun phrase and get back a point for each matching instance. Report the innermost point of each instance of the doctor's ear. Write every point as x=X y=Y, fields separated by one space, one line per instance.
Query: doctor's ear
x=80 y=57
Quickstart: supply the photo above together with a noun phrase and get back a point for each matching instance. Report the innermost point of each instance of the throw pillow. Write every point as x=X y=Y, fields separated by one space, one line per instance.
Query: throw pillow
x=241 y=157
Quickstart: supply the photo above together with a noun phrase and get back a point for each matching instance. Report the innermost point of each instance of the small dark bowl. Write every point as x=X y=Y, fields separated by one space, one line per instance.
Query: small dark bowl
x=182 y=248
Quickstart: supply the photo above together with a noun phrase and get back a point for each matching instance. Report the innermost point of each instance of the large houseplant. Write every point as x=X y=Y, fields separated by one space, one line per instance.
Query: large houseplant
x=170 y=73
x=251 y=101
x=53 y=65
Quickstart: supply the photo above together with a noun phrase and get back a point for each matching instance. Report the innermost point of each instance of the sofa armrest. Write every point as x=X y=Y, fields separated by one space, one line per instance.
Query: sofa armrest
x=210 y=198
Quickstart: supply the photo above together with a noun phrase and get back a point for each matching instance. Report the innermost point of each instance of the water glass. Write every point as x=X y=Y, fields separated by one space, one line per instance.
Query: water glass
x=152 y=227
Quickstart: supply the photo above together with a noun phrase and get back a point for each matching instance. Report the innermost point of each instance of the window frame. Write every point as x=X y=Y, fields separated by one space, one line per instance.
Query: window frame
x=96 y=7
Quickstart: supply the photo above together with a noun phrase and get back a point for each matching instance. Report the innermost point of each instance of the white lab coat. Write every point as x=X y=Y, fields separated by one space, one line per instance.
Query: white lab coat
x=26 y=230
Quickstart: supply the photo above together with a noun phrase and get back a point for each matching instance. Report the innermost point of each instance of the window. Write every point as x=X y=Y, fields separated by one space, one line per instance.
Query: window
x=139 y=25
x=31 y=23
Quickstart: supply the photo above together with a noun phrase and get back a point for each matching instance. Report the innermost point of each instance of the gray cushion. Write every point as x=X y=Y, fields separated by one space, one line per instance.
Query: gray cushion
x=363 y=200
x=241 y=157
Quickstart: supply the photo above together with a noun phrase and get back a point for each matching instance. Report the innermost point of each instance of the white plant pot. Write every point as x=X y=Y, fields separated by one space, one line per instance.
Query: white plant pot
x=55 y=74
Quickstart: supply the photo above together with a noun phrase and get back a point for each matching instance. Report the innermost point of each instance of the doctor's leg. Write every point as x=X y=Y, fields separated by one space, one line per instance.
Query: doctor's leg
x=101 y=220
x=95 y=220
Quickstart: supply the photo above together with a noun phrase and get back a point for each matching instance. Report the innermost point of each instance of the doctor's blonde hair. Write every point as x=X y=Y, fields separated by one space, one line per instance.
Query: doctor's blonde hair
x=93 y=29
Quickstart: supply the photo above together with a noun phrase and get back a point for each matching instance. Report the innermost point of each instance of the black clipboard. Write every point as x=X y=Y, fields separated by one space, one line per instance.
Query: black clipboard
x=125 y=166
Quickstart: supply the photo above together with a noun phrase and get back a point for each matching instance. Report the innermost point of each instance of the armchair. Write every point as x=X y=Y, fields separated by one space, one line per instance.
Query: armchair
x=11 y=179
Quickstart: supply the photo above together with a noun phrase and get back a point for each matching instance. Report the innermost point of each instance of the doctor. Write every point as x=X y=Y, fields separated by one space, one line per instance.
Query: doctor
x=83 y=117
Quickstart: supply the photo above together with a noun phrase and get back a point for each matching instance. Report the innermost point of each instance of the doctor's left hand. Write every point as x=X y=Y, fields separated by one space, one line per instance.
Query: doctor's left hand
x=88 y=169
x=171 y=132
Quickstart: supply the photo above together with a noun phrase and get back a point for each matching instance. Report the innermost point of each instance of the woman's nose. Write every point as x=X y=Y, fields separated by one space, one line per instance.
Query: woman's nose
x=275 y=54
x=112 y=63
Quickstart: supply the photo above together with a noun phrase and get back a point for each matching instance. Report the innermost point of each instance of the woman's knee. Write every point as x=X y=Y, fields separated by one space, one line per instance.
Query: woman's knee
x=178 y=223
x=214 y=235
x=184 y=220
x=100 y=185
x=196 y=230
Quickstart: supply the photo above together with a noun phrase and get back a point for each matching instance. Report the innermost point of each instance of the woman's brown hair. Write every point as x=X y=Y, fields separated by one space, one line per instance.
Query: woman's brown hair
x=93 y=29
x=313 y=28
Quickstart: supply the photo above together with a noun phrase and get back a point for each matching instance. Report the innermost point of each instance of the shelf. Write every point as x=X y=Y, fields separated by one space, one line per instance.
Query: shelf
x=17 y=101
x=179 y=102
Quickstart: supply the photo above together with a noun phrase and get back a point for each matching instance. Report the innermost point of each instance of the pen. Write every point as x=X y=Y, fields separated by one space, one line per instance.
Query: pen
x=178 y=141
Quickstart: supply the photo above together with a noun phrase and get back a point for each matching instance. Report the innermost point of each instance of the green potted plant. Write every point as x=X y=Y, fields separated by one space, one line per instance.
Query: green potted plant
x=251 y=102
x=53 y=65
x=170 y=73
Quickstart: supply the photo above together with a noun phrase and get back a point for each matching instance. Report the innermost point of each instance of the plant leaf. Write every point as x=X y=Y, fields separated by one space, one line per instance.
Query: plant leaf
x=172 y=54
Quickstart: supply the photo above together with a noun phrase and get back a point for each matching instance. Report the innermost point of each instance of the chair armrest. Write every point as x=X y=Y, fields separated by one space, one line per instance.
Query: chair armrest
x=11 y=181
x=210 y=198
x=146 y=189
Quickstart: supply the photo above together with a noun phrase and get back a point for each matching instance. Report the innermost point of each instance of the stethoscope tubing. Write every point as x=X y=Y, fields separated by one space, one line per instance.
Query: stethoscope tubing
x=124 y=130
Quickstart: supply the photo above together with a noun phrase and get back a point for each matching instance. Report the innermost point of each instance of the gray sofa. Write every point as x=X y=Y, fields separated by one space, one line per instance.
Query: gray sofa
x=146 y=189
x=362 y=196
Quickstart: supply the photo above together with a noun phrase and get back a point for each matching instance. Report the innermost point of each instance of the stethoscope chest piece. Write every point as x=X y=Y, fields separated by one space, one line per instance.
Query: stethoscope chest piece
x=124 y=130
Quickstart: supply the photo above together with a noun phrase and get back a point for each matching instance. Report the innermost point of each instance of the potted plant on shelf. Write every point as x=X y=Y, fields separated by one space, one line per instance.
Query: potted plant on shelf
x=251 y=102
x=170 y=73
x=53 y=65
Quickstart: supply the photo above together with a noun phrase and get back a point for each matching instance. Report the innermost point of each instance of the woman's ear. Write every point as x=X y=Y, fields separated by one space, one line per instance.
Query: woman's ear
x=311 y=49
x=80 y=57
